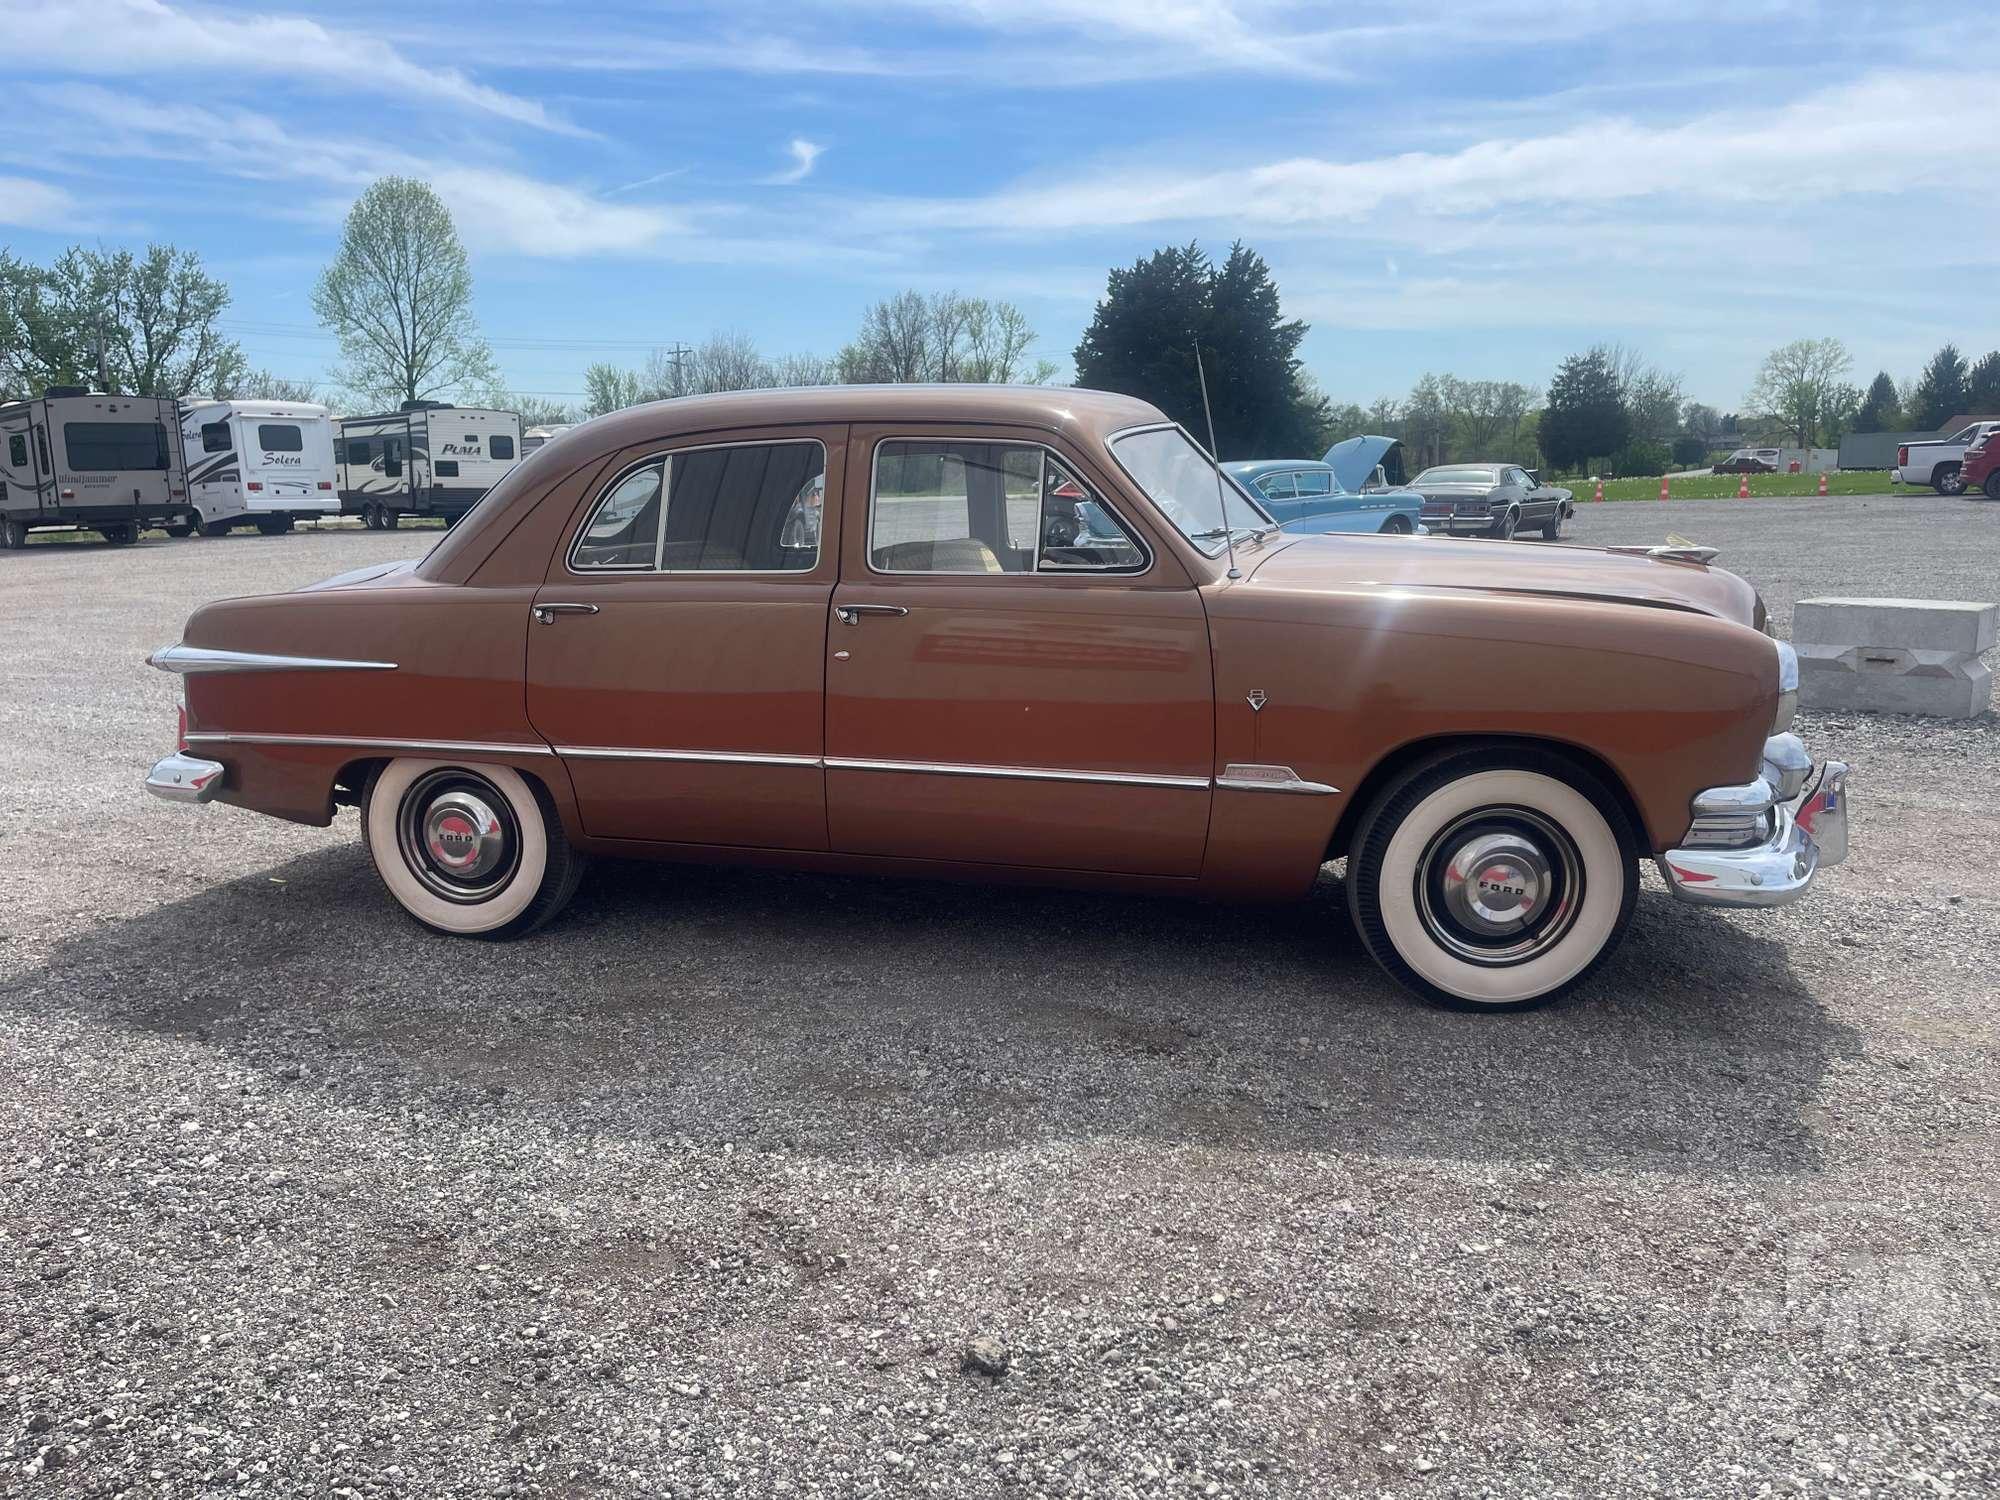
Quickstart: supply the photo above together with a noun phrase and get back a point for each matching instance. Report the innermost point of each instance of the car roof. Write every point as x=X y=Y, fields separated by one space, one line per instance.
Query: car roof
x=1060 y=408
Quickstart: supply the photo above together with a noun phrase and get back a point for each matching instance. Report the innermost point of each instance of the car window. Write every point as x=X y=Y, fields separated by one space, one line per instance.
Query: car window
x=1186 y=487
x=502 y=446
x=1314 y=482
x=17 y=450
x=624 y=530
x=1278 y=487
x=280 y=437
x=961 y=506
x=728 y=508
x=1460 y=474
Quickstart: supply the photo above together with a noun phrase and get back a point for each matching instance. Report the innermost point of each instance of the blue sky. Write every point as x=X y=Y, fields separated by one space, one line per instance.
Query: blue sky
x=1478 y=188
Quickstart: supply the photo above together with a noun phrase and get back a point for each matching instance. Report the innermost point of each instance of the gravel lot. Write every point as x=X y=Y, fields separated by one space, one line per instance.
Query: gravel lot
x=707 y=1190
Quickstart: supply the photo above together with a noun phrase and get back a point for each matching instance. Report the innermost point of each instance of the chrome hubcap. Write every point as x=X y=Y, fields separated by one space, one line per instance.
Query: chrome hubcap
x=1499 y=886
x=458 y=835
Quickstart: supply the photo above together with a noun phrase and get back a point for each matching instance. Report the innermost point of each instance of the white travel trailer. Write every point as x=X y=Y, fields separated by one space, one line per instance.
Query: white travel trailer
x=428 y=459
x=73 y=458
x=262 y=463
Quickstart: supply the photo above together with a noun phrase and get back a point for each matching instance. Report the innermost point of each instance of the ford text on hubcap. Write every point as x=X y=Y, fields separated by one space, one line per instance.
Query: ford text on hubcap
x=458 y=835
x=1499 y=886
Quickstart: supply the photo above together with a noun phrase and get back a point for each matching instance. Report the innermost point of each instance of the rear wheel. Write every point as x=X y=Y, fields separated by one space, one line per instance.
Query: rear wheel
x=274 y=525
x=13 y=534
x=178 y=528
x=390 y=516
x=1949 y=479
x=119 y=536
x=1992 y=485
x=475 y=851
x=1504 y=528
x=1396 y=526
x=1492 y=879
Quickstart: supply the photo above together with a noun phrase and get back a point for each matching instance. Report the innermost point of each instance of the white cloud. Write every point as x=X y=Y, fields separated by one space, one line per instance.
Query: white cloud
x=501 y=210
x=28 y=204
x=804 y=155
x=128 y=38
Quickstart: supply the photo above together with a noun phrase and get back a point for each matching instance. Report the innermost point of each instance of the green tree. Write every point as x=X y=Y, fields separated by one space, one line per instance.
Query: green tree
x=1940 y=394
x=1799 y=390
x=138 y=325
x=1879 y=411
x=1585 y=417
x=399 y=297
x=1141 y=342
x=1982 y=386
x=1689 y=450
x=610 y=388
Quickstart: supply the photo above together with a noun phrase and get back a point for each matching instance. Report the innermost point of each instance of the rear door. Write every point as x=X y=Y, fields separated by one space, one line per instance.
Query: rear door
x=1005 y=687
x=676 y=653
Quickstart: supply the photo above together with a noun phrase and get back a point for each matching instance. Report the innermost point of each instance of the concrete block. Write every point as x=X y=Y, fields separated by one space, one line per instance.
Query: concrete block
x=1906 y=656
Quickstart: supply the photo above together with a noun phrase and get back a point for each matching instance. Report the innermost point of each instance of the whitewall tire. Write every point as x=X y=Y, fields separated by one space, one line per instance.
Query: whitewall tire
x=472 y=850
x=1492 y=878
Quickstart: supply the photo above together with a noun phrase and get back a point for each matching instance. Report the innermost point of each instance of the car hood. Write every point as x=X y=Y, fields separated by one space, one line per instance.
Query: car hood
x=1329 y=563
x=1354 y=461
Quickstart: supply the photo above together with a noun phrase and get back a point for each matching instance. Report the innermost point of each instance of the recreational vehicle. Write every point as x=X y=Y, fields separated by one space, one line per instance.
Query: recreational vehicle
x=428 y=459
x=73 y=458
x=534 y=437
x=266 y=464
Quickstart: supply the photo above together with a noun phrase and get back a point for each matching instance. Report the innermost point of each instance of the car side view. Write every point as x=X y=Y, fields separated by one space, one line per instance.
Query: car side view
x=1492 y=500
x=1024 y=635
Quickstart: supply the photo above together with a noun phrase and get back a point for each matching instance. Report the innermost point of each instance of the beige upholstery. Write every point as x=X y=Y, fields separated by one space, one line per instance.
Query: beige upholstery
x=954 y=555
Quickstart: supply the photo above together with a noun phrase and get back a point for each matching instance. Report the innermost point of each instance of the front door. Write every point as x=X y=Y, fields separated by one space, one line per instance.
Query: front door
x=678 y=644
x=1017 y=673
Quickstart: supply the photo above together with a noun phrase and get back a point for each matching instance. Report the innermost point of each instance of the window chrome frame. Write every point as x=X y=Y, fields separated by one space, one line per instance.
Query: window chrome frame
x=1132 y=533
x=665 y=458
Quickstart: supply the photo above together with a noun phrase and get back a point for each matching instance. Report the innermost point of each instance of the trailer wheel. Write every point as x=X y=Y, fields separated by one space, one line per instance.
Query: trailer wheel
x=390 y=518
x=13 y=534
x=119 y=536
x=274 y=525
x=179 y=528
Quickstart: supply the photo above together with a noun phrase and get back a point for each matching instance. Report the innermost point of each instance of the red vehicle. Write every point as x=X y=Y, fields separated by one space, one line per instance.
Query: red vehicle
x=1981 y=469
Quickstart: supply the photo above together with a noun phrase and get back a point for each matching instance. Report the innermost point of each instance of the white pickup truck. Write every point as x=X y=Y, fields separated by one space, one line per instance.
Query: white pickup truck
x=1937 y=463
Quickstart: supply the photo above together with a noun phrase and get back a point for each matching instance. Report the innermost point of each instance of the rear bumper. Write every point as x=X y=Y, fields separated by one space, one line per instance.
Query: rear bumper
x=1806 y=836
x=1453 y=525
x=185 y=778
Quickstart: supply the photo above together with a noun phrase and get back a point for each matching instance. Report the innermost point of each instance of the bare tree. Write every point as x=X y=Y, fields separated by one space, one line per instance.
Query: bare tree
x=399 y=296
x=262 y=385
x=944 y=337
x=1799 y=390
x=803 y=369
x=1652 y=396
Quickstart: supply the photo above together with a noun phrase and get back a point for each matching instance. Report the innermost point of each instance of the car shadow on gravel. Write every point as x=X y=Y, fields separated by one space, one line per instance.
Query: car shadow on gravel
x=881 y=1019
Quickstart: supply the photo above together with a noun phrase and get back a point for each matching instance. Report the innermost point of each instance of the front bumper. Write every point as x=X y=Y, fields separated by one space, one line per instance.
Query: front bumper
x=185 y=778
x=1807 y=835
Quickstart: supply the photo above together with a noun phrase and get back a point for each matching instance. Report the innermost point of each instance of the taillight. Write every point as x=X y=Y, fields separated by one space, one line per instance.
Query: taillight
x=181 y=728
x=326 y=484
x=1902 y=455
x=254 y=485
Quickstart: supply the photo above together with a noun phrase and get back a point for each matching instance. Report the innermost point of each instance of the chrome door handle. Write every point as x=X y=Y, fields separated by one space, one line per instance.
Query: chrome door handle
x=546 y=613
x=850 y=614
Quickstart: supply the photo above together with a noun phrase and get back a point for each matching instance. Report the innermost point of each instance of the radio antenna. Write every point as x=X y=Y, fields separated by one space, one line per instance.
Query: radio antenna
x=1221 y=495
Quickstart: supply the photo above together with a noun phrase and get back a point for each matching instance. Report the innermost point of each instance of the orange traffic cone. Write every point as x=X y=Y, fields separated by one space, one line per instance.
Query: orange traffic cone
x=1822 y=481
x=1743 y=488
x=1599 y=496
x=1663 y=487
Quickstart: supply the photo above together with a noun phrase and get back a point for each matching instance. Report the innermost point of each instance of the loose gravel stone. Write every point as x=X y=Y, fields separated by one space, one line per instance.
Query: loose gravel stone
x=344 y=1208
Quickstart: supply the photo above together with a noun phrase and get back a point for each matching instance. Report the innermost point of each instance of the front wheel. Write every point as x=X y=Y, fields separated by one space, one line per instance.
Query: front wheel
x=1949 y=480
x=1554 y=530
x=1492 y=879
x=470 y=850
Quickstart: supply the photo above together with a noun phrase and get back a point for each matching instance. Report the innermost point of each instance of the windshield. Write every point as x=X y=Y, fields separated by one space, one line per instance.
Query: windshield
x=1458 y=476
x=1178 y=478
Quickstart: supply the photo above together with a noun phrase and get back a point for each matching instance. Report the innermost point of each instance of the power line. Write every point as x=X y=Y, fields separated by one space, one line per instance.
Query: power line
x=306 y=333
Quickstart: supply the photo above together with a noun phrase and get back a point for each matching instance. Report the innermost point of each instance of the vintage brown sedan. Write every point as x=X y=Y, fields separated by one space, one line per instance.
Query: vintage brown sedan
x=1022 y=634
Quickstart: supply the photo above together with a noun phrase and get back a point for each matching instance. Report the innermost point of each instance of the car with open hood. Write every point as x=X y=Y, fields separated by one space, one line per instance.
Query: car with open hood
x=1344 y=491
x=870 y=630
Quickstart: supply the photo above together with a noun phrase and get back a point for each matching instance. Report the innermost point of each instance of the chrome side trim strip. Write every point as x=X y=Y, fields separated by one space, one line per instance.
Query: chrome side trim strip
x=186 y=659
x=1250 y=778
x=1016 y=773
x=357 y=742
x=722 y=757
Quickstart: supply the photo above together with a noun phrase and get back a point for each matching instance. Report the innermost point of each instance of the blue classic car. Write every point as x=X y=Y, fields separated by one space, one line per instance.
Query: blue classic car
x=1345 y=491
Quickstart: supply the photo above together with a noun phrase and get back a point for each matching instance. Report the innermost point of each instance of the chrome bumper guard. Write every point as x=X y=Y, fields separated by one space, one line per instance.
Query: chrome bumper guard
x=185 y=778
x=1807 y=832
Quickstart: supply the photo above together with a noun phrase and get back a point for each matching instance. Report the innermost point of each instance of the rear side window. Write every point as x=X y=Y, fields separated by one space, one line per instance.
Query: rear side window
x=1278 y=486
x=280 y=437
x=502 y=446
x=1314 y=482
x=110 y=447
x=751 y=508
x=215 y=437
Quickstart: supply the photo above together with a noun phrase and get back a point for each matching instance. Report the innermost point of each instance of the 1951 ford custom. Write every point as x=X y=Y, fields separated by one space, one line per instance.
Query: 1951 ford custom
x=1014 y=634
